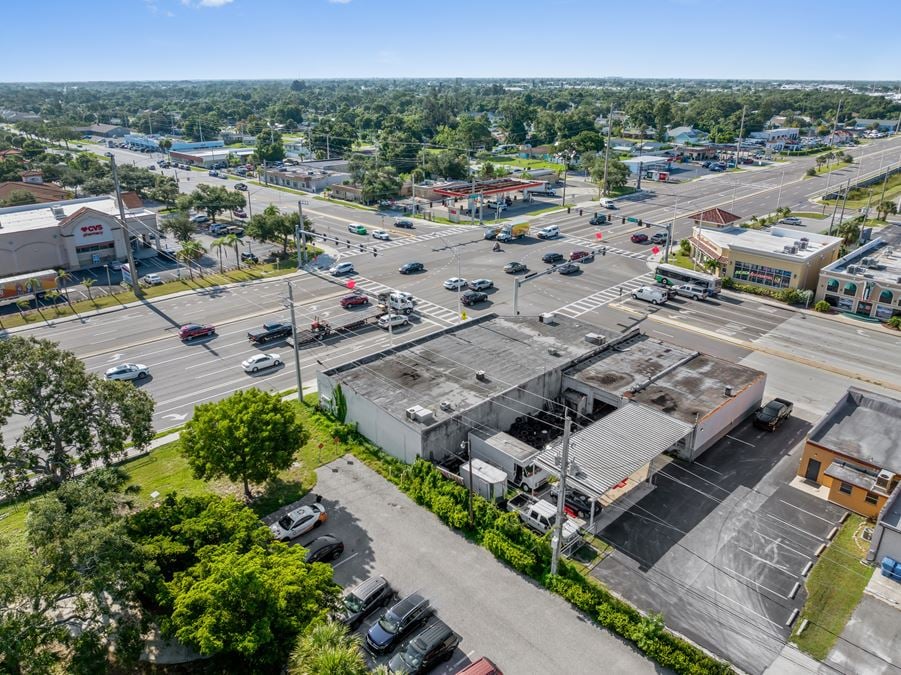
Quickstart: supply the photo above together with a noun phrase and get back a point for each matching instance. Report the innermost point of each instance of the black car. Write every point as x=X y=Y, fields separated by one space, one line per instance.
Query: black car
x=403 y=222
x=598 y=219
x=473 y=298
x=249 y=257
x=405 y=616
x=515 y=268
x=324 y=548
x=434 y=644
x=552 y=258
x=410 y=267
x=568 y=268
x=580 y=504
x=364 y=599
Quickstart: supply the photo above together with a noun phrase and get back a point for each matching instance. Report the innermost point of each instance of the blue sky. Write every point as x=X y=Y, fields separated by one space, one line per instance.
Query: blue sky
x=77 y=40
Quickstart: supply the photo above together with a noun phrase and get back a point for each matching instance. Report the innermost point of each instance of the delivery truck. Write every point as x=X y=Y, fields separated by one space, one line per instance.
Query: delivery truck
x=510 y=455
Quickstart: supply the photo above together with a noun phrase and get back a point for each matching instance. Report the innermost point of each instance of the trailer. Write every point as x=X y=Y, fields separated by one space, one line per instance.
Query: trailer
x=33 y=283
x=320 y=329
x=510 y=455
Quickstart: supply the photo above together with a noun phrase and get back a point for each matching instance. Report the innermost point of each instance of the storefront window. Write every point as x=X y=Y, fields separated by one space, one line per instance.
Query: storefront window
x=886 y=297
x=850 y=289
x=832 y=286
x=760 y=274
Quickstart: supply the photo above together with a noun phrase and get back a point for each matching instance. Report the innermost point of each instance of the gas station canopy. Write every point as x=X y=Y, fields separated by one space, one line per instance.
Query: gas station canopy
x=461 y=188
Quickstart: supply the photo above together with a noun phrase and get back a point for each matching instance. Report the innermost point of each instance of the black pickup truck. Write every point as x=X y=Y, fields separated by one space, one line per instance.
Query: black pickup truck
x=773 y=414
x=270 y=331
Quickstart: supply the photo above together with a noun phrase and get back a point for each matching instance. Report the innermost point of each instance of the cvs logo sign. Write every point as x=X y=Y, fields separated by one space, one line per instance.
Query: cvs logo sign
x=88 y=230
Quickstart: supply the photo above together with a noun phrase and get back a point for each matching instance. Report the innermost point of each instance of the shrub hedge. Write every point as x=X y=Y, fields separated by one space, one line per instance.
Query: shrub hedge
x=503 y=534
x=791 y=296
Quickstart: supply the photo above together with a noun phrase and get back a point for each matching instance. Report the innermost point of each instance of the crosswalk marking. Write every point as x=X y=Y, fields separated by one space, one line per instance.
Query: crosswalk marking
x=579 y=307
x=425 y=307
x=637 y=255
x=379 y=245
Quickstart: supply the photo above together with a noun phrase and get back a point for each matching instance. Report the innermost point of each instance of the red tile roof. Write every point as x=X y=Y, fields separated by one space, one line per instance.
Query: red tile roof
x=131 y=200
x=43 y=192
x=714 y=216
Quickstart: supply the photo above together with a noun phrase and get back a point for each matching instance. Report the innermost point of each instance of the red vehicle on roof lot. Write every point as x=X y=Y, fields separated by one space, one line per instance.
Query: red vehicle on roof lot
x=353 y=300
x=195 y=330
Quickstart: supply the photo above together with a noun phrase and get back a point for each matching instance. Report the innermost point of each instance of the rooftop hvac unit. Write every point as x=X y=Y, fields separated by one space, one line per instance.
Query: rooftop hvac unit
x=424 y=415
x=884 y=480
x=548 y=317
x=58 y=212
x=445 y=405
x=595 y=338
x=866 y=262
x=802 y=244
x=852 y=269
x=552 y=351
x=792 y=249
x=787 y=249
x=481 y=376
x=727 y=390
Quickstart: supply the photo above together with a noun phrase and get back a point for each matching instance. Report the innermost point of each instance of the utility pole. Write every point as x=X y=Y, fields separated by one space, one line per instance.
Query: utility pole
x=557 y=539
x=607 y=147
x=328 y=149
x=640 y=170
x=565 y=171
x=294 y=342
x=466 y=445
x=133 y=271
x=741 y=132
x=300 y=237
x=835 y=124
x=515 y=296
x=844 y=201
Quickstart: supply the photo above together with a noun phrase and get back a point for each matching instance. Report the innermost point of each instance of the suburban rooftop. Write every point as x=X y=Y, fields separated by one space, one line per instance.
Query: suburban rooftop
x=39 y=216
x=883 y=256
x=768 y=241
x=865 y=425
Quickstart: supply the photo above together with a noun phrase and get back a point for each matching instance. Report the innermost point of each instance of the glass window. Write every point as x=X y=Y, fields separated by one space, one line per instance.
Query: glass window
x=832 y=285
x=871 y=498
x=846 y=488
x=760 y=274
x=886 y=297
x=850 y=289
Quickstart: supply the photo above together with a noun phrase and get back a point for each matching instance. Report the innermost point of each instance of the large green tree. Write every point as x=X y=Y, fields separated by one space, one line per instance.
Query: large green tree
x=381 y=183
x=215 y=199
x=276 y=227
x=269 y=147
x=249 y=437
x=73 y=418
x=617 y=175
x=179 y=225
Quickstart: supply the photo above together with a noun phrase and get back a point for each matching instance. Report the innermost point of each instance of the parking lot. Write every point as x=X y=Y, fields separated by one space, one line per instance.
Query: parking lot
x=720 y=545
x=497 y=613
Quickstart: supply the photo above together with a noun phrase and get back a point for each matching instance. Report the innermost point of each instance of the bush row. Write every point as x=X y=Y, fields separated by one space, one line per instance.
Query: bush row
x=791 y=296
x=509 y=541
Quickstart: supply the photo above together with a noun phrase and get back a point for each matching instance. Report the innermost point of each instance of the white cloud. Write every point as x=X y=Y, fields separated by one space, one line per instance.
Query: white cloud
x=206 y=3
x=339 y=2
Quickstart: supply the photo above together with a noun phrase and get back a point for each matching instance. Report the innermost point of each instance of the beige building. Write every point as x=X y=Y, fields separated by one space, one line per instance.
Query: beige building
x=775 y=258
x=72 y=235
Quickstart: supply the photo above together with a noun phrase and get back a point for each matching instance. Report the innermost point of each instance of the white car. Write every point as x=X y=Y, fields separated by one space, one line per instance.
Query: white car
x=381 y=234
x=342 y=268
x=393 y=321
x=656 y=296
x=128 y=371
x=116 y=265
x=260 y=362
x=299 y=521
x=152 y=279
x=455 y=284
x=481 y=284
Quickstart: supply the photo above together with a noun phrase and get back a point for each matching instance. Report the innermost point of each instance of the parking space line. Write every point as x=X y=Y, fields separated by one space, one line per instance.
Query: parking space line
x=738 y=440
x=350 y=557
x=766 y=562
x=745 y=607
x=795 y=527
x=778 y=542
x=809 y=513
x=754 y=581
x=466 y=657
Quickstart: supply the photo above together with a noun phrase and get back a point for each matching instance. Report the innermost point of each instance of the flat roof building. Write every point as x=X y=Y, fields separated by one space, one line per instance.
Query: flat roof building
x=855 y=451
x=776 y=258
x=104 y=130
x=647 y=163
x=866 y=281
x=72 y=235
x=211 y=157
x=303 y=177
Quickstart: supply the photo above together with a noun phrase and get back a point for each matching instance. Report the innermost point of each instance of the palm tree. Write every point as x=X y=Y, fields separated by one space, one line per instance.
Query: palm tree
x=53 y=295
x=218 y=244
x=189 y=252
x=885 y=209
x=62 y=276
x=233 y=240
x=327 y=649
x=22 y=304
x=88 y=283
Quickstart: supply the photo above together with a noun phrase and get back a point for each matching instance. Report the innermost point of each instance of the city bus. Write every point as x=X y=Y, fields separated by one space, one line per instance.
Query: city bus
x=671 y=275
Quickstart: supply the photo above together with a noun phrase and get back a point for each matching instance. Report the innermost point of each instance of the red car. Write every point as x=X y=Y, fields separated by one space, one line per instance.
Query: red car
x=195 y=330
x=639 y=238
x=579 y=256
x=353 y=300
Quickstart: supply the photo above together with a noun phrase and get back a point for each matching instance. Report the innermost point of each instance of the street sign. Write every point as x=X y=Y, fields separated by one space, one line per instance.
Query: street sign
x=304 y=202
x=630 y=219
x=655 y=250
x=598 y=235
x=350 y=283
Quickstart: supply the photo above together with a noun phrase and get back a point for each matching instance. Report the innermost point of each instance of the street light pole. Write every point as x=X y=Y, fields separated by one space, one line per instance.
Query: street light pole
x=295 y=343
x=557 y=539
x=300 y=237
x=135 y=286
x=607 y=147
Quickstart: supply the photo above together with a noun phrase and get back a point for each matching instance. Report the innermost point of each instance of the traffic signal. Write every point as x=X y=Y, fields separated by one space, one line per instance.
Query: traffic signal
x=603 y=250
x=624 y=220
x=375 y=254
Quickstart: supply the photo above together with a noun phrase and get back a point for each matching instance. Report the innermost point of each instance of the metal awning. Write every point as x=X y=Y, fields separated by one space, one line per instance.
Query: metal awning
x=484 y=187
x=605 y=453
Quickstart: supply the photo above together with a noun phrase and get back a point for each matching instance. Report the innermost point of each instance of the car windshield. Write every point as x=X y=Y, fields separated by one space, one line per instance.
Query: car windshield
x=389 y=623
x=285 y=522
x=412 y=658
x=353 y=603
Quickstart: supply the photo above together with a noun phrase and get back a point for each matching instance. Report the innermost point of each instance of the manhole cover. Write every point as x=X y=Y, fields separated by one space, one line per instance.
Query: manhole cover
x=867 y=534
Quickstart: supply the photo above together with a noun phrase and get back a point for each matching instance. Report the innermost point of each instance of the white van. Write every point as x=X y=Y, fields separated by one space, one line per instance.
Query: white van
x=607 y=203
x=549 y=232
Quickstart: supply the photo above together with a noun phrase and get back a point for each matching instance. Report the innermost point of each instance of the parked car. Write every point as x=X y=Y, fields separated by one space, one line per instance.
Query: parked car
x=116 y=265
x=353 y=301
x=515 y=268
x=434 y=644
x=239 y=213
x=327 y=547
x=356 y=228
x=404 y=223
x=200 y=218
x=411 y=267
x=127 y=371
x=659 y=238
x=152 y=279
x=393 y=321
x=691 y=291
x=363 y=599
x=483 y=666
x=774 y=413
x=381 y=234
x=791 y=220
x=341 y=269
x=249 y=257
x=639 y=238
x=473 y=298
x=261 y=362
x=402 y=618
x=568 y=268
x=656 y=296
x=241 y=186
x=581 y=256
x=481 y=284
x=455 y=284
x=299 y=521
x=191 y=331
x=552 y=258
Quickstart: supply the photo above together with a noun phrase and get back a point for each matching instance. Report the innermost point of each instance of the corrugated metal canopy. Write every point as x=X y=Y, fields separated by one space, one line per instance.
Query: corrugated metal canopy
x=610 y=450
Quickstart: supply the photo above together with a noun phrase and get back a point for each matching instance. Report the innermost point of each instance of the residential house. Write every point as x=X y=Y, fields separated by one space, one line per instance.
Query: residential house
x=686 y=135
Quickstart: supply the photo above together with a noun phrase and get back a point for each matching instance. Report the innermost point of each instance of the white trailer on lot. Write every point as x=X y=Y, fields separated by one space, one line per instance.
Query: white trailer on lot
x=515 y=458
x=487 y=480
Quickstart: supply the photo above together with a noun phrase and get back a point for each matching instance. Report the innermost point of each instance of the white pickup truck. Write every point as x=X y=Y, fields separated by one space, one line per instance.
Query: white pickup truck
x=541 y=516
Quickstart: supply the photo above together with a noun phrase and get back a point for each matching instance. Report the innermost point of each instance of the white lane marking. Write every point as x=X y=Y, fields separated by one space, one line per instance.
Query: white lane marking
x=466 y=657
x=738 y=440
x=744 y=607
x=754 y=581
x=336 y=565
x=767 y=562
x=809 y=513
x=795 y=527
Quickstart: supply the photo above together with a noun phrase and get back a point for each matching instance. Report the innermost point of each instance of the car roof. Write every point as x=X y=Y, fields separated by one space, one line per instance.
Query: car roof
x=436 y=632
x=322 y=542
x=368 y=587
x=408 y=603
x=481 y=667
